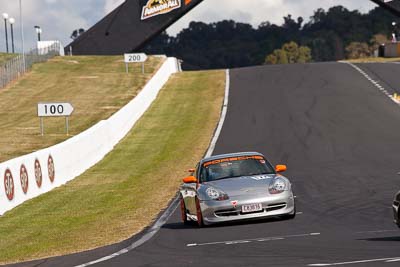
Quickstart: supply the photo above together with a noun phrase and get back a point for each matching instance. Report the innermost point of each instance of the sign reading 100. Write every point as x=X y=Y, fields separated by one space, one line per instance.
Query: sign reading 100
x=55 y=109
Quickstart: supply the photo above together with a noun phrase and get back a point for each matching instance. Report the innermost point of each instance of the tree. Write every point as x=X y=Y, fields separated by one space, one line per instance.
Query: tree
x=357 y=50
x=304 y=55
x=279 y=56
x=292 y=51
x=376 y=41
x=289 y=54
x=76 y=33
x=229 y=44
x=272 y=59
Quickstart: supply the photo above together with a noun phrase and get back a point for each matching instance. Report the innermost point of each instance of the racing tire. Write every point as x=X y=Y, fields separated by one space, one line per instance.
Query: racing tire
x=398 y=219
x=183 y=212
x=200 y=222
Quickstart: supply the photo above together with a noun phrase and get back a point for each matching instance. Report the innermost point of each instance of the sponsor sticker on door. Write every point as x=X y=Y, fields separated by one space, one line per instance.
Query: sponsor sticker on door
x=158 y=7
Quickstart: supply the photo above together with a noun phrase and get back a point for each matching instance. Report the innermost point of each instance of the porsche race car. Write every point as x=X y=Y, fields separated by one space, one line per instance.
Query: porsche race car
x=238 y=186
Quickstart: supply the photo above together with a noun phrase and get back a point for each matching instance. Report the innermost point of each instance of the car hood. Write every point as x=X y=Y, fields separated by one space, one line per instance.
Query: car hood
x=244 y=185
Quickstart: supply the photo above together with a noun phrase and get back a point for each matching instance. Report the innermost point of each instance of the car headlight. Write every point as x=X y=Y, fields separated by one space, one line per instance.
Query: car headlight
x=215 y=194
x=277 y=186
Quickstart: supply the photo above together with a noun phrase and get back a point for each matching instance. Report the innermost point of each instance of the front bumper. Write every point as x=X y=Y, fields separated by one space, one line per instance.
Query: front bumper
x=225 y=211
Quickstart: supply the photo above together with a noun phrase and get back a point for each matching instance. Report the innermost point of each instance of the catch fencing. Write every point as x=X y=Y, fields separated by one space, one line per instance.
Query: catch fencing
x=16 y=67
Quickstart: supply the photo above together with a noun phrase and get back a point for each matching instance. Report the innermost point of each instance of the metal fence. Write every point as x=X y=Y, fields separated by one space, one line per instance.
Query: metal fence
x=15 y=68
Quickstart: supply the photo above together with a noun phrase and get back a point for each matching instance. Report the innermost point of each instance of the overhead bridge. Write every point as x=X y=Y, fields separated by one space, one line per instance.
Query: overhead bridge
x=392 y=6
x=130 y=26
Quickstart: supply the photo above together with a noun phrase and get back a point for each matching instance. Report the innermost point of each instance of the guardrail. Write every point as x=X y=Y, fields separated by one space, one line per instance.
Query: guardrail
x=34 y=174
x=15 y=67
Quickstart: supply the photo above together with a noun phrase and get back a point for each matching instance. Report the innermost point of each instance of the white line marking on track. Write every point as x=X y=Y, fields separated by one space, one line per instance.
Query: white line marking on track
x=394 y=260
x=375 y=83
x=245 y=241
x=376 y=231
x=171 y=209
x=387 y=260
x=223 y=116
x=146 y=237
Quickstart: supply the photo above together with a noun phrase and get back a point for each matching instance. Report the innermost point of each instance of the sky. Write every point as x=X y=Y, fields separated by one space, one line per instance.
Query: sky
x=58 y=18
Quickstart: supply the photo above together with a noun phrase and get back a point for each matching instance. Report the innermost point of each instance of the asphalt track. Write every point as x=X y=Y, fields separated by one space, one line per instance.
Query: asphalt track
x=339 y=136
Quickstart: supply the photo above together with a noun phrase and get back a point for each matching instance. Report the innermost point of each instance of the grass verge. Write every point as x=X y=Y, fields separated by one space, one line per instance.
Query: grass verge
x=97 y=87
x=4 y=57
x=127 y=189
x=373 y=60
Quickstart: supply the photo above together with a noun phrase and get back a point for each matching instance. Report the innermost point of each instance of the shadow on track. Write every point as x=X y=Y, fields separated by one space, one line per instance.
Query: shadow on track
x=389 y=238
x=193 y=225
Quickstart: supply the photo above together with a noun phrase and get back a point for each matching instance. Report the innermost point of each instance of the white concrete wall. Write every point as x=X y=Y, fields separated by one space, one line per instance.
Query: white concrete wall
x=74 y=156
x=44 y=47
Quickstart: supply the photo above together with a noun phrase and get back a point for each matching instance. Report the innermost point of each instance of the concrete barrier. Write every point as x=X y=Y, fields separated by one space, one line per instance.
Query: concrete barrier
x=29 y=176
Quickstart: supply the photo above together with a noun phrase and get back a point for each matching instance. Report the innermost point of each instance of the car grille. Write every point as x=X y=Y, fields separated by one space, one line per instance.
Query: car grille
x=276 y=207
x=234 y=212
x=227 y=213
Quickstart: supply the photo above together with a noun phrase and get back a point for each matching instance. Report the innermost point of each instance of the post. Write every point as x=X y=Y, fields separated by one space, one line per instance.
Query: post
x=41 y=126
x=127 y=68
x=67 y=124
x=142 y=67
x=12 y=38
x=6 y=31
x=22 y=35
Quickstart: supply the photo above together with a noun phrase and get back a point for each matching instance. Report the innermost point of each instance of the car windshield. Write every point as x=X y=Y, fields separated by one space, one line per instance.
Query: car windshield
x=235 y=167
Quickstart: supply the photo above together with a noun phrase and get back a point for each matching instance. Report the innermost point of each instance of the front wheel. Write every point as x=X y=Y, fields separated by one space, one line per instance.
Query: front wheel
x=199 y=214
x=183 y=212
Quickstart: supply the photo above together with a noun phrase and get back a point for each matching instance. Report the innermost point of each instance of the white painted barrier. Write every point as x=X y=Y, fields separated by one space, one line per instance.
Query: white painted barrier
x=34 y=174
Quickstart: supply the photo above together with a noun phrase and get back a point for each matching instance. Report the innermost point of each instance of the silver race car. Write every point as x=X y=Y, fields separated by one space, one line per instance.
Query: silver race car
x=236 y=186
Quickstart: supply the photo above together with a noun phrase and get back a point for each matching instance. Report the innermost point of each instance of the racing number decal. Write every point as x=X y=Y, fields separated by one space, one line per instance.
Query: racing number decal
x=23 y=175
x=38 y=173
x=51 y=170
x=9 y=184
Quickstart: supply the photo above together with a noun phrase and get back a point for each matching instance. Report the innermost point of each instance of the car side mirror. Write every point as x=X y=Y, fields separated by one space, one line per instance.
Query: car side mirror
x=280 y=168
x=190 y=180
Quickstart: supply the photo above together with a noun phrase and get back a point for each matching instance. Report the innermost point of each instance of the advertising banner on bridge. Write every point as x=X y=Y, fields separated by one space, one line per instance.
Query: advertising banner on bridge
x=130 y=26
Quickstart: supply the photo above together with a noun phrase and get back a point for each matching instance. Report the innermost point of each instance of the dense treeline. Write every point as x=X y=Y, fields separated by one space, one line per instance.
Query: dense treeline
x=231 y=44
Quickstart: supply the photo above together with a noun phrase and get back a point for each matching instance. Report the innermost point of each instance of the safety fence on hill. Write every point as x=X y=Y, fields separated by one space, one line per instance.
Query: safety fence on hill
x=16 y=67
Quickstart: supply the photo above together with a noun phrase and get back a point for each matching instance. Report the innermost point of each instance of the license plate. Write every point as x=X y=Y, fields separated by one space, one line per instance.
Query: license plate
x=252 y=208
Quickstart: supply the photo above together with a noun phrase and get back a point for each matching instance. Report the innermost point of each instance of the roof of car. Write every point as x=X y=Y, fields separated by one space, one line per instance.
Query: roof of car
x=223 y=156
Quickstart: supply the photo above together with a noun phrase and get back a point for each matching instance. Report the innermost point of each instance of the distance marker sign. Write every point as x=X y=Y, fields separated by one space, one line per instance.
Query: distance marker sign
x=135 y=58
x=55 y=109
